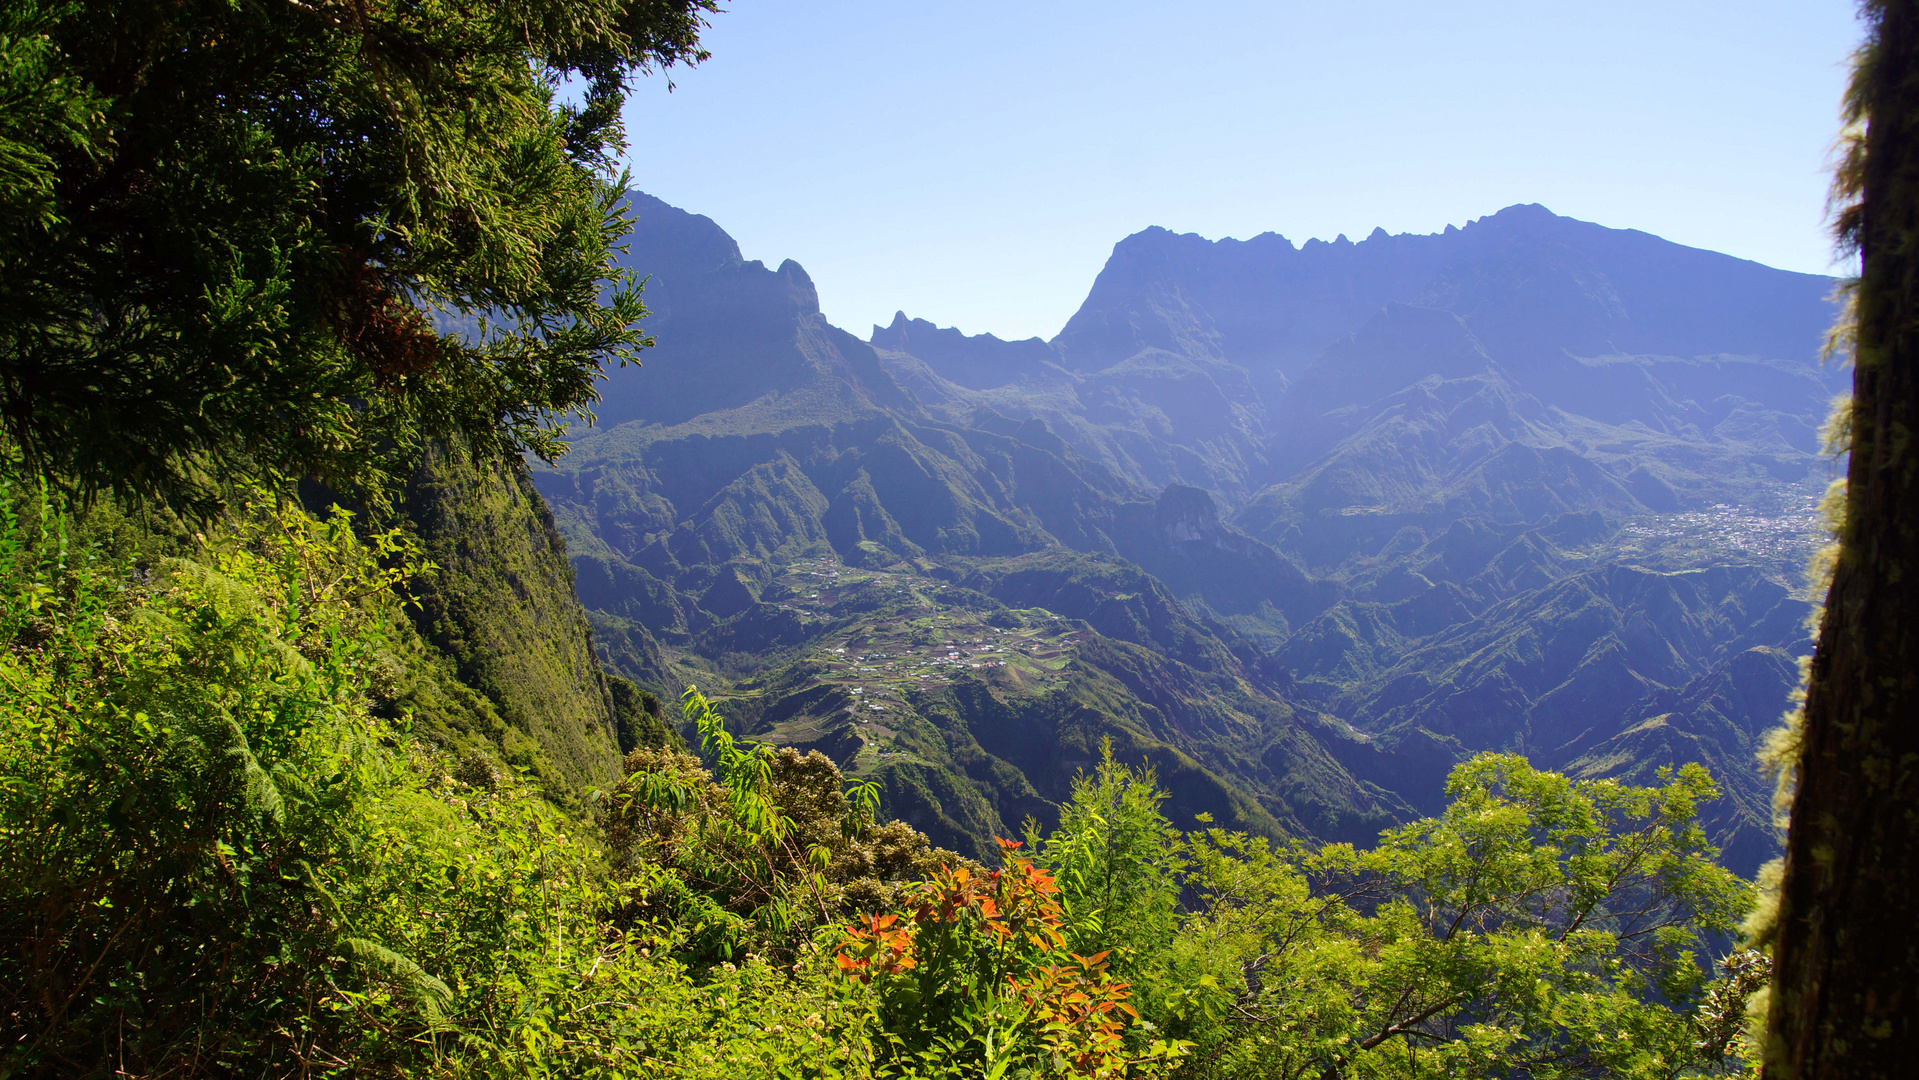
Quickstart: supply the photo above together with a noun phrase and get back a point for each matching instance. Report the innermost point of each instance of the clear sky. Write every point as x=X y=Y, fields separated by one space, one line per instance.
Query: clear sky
x=974 y=163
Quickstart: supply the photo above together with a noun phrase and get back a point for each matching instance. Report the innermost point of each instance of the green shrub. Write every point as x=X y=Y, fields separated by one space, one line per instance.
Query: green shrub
x=1118 y=861
x=215 y=860
x=759 y=856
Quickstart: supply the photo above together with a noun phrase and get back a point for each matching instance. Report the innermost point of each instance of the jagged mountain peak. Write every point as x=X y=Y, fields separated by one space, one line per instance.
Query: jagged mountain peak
x=805 y=293
x=1429 y=485
x=732 y=334
x=1526 y=279
x=665 y=238
x=978 y=361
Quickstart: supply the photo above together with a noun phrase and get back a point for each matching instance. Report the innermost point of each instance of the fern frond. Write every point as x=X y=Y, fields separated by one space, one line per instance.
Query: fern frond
x=431 y=996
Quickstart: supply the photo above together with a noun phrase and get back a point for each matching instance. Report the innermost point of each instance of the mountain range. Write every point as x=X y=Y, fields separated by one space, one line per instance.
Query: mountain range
x=1301 y=526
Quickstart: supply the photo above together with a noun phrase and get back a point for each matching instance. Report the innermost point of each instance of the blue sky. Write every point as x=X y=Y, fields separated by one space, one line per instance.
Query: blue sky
x=974 y=164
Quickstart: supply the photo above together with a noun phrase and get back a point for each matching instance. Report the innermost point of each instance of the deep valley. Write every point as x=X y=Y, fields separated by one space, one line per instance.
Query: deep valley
x=1301 y=526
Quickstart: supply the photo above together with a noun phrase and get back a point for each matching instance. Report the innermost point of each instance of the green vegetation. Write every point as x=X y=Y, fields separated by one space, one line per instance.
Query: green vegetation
x=218 y=858
x=288 y=789
x=972 y=715
x=228 y=231
x=1541 y=926
x=499 y=607
x=1433 y=544
x=364 y=247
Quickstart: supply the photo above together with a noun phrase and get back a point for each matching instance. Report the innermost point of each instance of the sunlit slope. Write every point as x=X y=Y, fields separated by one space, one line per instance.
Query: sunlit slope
x=1304 y=525
x=759 y=439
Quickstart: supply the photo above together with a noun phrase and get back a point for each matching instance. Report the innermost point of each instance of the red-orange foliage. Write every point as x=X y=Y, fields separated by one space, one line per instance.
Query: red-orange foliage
x=1000 y=932
x=879 y=947
x=1078 y=1007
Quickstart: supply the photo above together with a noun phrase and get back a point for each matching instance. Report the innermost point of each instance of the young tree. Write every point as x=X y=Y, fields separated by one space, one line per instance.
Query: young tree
x=1541 y=927
x=1117 y=859
x=1847 y=950
x=235 y=234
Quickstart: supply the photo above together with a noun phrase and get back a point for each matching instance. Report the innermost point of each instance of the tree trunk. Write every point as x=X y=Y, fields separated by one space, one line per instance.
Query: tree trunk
x=1846 y=985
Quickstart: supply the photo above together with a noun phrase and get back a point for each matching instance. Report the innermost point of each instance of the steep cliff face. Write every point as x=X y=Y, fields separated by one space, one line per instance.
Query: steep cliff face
x=734 y=334
x=510 y=659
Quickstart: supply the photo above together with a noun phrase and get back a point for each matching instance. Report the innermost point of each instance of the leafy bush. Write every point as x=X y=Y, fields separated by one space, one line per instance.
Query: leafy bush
x=186 y=759
x=775 y=847
x=214 y=859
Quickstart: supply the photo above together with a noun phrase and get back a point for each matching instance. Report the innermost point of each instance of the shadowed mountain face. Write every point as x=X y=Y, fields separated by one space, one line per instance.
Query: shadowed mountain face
x=1302 y=526
x=734 y=334
x=1528 y=283
x=1196 y=344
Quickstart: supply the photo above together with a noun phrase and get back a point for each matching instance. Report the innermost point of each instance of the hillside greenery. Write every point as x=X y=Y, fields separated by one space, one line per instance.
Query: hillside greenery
x=219 y=858
x=1306 y=567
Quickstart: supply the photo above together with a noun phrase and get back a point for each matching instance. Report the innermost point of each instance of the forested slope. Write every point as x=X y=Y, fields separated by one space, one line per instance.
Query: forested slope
x=502 y=612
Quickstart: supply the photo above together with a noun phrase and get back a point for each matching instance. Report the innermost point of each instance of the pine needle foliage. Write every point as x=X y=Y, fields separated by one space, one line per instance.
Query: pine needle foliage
x=309 y=235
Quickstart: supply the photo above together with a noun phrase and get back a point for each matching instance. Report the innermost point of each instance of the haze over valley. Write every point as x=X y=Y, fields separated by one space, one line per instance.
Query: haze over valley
x=1301 y=525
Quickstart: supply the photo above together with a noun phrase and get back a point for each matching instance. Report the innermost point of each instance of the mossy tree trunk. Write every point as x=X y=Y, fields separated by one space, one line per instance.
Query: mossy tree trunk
x=1846 y=989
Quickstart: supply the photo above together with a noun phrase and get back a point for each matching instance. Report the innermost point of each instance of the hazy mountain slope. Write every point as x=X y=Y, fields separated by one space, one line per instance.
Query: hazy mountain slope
x=1527 y=282
x=980 y=361
x=736 y=335
x=1472 y=437
x=1460 y=434
x=1540 y=644
x=1194 y=343
x=758 y=440
x=1157 y=418
x=1301 y=526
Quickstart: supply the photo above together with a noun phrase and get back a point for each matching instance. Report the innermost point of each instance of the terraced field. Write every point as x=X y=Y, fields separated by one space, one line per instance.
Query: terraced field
x=885 y=638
